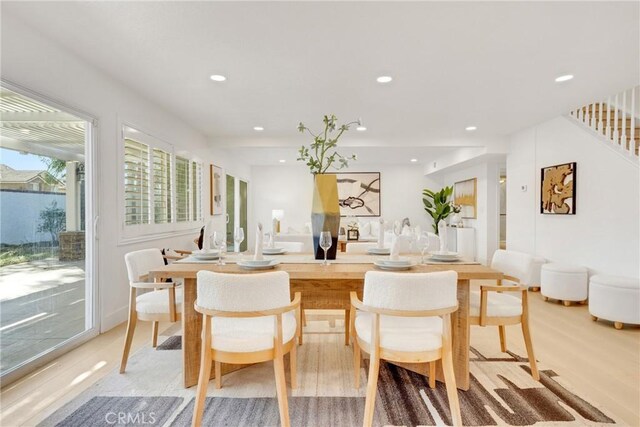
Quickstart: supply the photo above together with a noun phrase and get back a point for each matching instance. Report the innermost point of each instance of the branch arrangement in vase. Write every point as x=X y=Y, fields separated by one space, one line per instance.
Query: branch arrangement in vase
x=437 y=204
x=322 y=154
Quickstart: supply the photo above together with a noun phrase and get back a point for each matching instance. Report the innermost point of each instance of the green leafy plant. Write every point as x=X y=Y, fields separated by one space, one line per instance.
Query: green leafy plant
x=437 y=204
x=322 y=154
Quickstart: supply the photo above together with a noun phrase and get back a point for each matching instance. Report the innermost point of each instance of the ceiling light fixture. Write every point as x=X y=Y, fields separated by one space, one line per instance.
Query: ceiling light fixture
x=470 y=128
x=361 y=128
x=258 y=128
x=25 y=131
x=282 y=160
x=564 y=78
x=384 y=79
x=217 y=77
x=414 y=160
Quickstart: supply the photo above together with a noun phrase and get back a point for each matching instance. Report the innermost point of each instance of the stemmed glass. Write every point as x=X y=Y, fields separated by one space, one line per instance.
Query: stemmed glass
x=325 y=244
x=238 y=236
x=219 y=240
x=423 y=244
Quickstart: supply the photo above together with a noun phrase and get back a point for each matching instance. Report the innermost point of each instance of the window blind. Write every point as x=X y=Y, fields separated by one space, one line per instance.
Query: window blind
x=196 y=191
x=136 y=182
x=182 y=189
x=161 y=186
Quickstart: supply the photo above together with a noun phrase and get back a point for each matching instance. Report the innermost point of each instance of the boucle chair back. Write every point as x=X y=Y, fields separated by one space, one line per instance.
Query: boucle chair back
x=243 y=292
x=139 y=263
x=410 y=291
x=512 y=263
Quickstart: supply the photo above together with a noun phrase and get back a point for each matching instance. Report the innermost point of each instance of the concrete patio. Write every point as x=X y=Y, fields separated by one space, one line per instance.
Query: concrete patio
x=42 y=304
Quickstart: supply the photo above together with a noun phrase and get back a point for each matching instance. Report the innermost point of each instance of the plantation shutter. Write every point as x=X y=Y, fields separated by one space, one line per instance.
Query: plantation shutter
x=196 y=191
x=161 y=186
x=182 y=189
x=136 y=182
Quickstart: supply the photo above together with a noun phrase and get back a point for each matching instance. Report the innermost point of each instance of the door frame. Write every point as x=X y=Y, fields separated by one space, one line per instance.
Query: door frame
x=92 y=217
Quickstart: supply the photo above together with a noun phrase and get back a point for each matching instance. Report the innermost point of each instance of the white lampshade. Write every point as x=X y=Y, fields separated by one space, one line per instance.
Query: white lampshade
x=277 y=214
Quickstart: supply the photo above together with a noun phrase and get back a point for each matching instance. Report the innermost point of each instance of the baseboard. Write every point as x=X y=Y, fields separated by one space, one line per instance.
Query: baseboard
x=112 y=320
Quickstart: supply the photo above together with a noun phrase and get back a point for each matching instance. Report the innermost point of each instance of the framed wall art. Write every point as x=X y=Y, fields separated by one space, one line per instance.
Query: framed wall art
x=558 y=189
x=465 y=194
x=359 y=193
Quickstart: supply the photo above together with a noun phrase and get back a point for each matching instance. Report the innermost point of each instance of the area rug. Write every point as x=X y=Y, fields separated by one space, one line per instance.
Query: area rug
x=502 y=392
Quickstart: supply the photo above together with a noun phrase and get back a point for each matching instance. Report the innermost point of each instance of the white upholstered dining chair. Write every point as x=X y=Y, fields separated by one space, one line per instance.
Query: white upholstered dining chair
x=497 y=306
x=405 y=317
x=163 y=302
x=247 y=318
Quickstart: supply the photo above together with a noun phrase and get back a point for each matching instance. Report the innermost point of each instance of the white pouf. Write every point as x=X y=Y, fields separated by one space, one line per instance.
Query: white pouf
x=615 y=298
x=564 y=282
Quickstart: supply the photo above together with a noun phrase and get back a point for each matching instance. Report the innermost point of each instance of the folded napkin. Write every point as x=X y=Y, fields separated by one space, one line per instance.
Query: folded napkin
x=442 y=233
x=406 y=231
x=257 y=254
x=206 y=237
x=272 y=243
x=381 y=234
x=395 y=248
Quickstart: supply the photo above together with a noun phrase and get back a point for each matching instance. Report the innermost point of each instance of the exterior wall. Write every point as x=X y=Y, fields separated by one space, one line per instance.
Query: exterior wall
x=20 y=215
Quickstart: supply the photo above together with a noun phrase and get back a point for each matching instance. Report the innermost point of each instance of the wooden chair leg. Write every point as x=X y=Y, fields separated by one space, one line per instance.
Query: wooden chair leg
x=452 y=391
x=356 y=362
x=347 y=318
x=432 y=374
x=154 y=334
x=372 y=387
x=217 y=366
x=281 y=391
x=529 y=345
x=293 y=366
x=503 y=338
x=131 y=327
x=203 y=382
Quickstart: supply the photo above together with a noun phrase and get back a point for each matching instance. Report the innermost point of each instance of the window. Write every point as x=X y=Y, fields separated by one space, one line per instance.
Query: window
x=136 y=182
x=162 y=191
x=161 y=186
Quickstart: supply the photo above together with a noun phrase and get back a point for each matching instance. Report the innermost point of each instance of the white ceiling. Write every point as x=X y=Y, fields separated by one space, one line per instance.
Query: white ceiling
x=454 y=64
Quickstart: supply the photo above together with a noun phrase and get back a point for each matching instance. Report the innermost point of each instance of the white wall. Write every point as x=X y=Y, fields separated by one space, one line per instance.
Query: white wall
x=290 y=187
x=487 y=219
x=32 y=61
x=603 y=235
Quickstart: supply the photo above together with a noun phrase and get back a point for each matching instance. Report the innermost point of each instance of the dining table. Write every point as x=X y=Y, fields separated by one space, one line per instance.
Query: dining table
x=322 y=287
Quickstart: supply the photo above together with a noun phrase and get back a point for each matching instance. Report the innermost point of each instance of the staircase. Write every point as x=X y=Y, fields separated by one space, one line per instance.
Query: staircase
x=616 y=121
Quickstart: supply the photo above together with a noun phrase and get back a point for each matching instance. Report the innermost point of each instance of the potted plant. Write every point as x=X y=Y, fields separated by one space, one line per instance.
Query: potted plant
x=319 y=156
x=437 y=204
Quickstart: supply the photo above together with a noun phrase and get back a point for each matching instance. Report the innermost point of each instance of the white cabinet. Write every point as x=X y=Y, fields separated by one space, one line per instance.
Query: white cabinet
x=463 y=241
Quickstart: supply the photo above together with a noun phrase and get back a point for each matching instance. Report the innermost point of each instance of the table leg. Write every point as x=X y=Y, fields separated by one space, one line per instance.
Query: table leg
x=191 y=330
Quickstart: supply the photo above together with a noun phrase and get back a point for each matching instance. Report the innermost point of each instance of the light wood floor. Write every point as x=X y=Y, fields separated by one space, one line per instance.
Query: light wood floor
x=599 y=362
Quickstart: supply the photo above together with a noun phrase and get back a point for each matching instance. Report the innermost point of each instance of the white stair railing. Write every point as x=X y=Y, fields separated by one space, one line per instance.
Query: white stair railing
x=614 y=119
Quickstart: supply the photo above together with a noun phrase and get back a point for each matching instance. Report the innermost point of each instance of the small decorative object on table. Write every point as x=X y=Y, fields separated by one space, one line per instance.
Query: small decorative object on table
x=353 y=232
x=456 y=220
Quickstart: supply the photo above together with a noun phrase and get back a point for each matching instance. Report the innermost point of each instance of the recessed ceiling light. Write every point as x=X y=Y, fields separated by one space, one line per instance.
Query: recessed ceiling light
x=282 y=160
x=258 y=128
x=414 y=160
x=384 y=79
x=361 y=128
x=564 y=78
x=25 y=131
x=470 y=128
x=217 y=77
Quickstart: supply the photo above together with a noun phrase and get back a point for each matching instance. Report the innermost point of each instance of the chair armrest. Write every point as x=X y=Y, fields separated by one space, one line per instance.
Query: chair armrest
x=509 y=288
x=152 y=285
x=484 y=291
x=357 y=304
x=261 y=313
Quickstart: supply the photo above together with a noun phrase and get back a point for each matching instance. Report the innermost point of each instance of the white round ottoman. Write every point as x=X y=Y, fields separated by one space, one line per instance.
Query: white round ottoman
x=566 y=283
x=615 y=298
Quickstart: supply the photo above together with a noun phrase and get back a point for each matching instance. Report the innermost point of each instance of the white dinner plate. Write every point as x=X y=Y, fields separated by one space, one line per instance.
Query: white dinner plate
x=393 y=267
x=205 y=255
x=256 y=265
x=401 y=261
x=273 y=251
x=378 y=251
x=445 y=256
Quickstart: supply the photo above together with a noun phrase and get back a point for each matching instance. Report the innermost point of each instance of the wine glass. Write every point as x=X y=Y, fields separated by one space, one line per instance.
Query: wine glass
x=238 y=236
x=423 y=244
x=325 y=244
x=219 y=240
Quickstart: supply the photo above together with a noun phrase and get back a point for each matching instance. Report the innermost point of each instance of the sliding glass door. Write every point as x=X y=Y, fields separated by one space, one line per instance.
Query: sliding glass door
x=46 y=291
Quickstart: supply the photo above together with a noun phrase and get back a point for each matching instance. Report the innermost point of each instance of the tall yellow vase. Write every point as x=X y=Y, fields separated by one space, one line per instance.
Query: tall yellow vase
x=325 y=213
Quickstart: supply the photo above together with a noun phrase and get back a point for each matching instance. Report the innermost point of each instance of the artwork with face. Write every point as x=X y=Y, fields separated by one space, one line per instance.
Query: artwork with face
x=216 y=185
x=359 y=193
x=464 y=195
x=558 y=189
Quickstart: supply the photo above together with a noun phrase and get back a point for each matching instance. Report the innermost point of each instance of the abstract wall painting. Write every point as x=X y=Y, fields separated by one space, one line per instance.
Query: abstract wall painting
x=558 y=189
x=215 y=185
x=465 y=195
x=359 y=193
